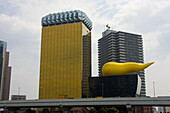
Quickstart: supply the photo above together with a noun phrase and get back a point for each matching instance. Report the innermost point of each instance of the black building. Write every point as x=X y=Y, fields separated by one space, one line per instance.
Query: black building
x=118 y=46
x=115 y=86
x=18 y=97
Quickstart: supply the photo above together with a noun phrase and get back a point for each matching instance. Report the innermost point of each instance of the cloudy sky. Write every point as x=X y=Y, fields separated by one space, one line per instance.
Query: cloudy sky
x=20 y=27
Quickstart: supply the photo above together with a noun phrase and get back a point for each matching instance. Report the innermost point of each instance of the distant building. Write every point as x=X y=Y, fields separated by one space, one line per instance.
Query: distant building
x=5 y=72
x=118 y=46
x=154 y=110
x=144 y=109
x=18 y=97
x=115 y=86
x=161 y=109
x=65 y=64
x=167 y=109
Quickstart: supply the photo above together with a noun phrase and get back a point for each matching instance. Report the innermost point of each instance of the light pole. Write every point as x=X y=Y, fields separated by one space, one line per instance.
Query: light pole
x=154 y=88
x=102 y=90
x=18 y=90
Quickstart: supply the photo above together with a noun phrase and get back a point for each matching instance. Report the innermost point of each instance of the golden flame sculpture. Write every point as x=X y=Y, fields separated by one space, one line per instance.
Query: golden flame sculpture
x=114 y=68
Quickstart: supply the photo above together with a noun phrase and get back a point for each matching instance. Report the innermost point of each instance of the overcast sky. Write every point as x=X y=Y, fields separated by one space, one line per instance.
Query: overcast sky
x=20 y=27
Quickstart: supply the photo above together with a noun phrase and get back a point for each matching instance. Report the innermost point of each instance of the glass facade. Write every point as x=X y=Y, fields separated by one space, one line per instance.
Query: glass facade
x=2 y=65
x=64 y=71
x=114 y=86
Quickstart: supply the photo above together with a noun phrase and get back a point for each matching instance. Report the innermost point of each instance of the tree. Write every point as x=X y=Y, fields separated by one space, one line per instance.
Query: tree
x=121 y=112
x=93 y=111
x=45 y=110
x=30 y=111
x=105 y=110
x=102 y=110
x=112 y=110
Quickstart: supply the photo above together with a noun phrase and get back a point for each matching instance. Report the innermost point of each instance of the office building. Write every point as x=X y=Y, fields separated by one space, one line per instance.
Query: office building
x=115 y=86
x=65 y=55
x=5 y=72
x=118 y=46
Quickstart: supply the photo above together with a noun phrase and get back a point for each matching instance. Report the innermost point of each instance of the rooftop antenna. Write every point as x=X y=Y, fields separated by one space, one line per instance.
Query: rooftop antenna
x=108 y=27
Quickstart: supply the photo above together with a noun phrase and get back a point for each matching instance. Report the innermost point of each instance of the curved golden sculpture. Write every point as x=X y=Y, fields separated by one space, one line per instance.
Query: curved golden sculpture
x=114 y=68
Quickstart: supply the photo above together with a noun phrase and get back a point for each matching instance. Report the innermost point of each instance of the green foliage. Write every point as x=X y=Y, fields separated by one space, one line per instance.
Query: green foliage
x=102 y=110
x=105 y=110
x=45 y=110
x=112 y=110
x=92 y=111
x=30 y=111
x=33 y=111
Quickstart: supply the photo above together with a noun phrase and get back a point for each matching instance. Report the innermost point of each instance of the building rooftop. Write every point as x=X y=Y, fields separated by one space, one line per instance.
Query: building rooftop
x=66 y=17
x=108 y=31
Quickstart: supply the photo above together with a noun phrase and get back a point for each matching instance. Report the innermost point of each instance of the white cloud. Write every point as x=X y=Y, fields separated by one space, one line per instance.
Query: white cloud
x=151 y=40
x=17 y=23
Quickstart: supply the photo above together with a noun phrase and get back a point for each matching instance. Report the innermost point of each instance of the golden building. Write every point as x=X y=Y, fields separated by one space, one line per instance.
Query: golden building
x=65 y=55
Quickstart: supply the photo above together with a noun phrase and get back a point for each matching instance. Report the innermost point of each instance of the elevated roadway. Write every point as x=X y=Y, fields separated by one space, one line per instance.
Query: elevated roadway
x=140 y=101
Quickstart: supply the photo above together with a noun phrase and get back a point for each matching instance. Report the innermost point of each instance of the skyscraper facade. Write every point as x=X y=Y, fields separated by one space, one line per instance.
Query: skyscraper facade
x=65 y=55
x=5 y=72
x=118 y=46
